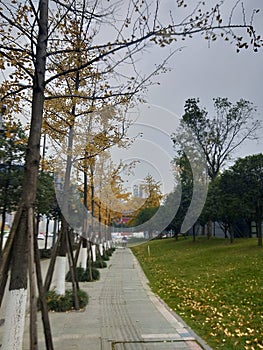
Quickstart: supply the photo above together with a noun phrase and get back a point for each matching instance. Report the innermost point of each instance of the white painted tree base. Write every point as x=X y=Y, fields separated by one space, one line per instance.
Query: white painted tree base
x=101 y=249
x=93 y=249
x=83 y=258
x=13 y=328
x=59 y=275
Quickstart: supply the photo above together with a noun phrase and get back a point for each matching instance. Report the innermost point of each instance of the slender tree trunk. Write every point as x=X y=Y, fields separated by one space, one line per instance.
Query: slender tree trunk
x=259 y=224
x=100 y=226
x=194 y=233
x=78 y=252
x=60 y=267
x=19 y=269
x=7 y=254
x=54 y=232
x=209 y=229
x=61 y=259
x=93 y=250
x=90 y=260
x=72 y=267
x=37 y=223
x=83 y=239
x=52 y=263
x=231 y=232
x=46 y=237
x=2 y=229
x=225 y=226
x=249 y=229
x=92 y=198
x=83 y=254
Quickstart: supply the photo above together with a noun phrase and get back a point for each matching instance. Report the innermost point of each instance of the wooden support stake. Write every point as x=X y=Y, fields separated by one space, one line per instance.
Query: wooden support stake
x=74 y=280
x=42 y=299
x=7 y=254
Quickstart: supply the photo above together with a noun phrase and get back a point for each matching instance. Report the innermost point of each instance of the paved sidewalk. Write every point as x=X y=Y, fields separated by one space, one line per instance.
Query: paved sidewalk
x=122 y=314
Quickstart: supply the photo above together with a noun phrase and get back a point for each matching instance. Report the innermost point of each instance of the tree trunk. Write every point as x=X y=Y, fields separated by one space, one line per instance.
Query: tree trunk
x=92 y=236
x=19 y=269
x=194 y=233
x=90 y=260
x=93 y=250
x=54 y=232
x=46 y=237
x=72 y=267
x=209 y=229
x=2 y=229
x=225 y=230
x=259 y=224
x=99 y=214
x=231 y=231
x=78 y=253
x=60 y=266
x=7 y=254
x=83 y=254
x=51 y=266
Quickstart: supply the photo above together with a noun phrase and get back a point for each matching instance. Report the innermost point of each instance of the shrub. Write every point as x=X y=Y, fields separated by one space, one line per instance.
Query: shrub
x=99 y=264
x=45 y=253
x=95 y=275
x=84 y=275
x=105 y=256
x=109 y=252
x=75 y=246
x=79 y=271
x=62 y=303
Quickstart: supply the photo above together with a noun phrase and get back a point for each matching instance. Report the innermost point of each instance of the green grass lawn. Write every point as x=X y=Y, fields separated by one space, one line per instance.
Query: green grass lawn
x=215 y=286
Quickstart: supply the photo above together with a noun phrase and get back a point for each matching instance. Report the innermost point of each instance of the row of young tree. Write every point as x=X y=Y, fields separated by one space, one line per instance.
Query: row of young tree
x=237 y=195
x=218 y=137
x=73 y=68
x=234 y=201
x=232 y=196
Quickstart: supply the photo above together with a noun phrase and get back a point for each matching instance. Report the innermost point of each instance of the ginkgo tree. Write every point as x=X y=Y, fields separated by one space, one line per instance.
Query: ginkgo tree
x=150 y=204
x=97 y=134
x=34 y=36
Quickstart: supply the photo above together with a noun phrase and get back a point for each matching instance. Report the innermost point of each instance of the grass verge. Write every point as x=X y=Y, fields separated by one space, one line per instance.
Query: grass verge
x=215 y=286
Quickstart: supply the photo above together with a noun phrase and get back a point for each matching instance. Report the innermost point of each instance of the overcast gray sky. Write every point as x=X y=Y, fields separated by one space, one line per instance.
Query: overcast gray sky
x=197 y=71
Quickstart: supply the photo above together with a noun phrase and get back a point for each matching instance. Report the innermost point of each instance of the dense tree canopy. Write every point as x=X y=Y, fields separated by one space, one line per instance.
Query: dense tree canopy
x=236 y=195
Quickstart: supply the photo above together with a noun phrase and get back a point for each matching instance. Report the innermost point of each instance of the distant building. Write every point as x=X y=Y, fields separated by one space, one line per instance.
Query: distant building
x=138 y=191
x=135 y=191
